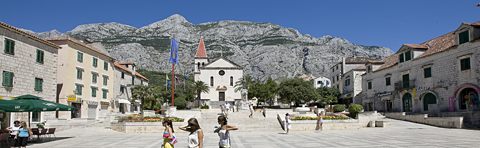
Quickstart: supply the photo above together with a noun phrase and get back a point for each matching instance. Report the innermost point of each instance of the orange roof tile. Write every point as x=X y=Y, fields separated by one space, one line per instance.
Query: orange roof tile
x=201 y=51
x=80 y=43
x=28 y=35
x=416 y=46
x=120 y=66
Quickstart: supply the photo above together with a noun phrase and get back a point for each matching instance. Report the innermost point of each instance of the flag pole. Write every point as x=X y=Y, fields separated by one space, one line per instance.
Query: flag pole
x=173 y=84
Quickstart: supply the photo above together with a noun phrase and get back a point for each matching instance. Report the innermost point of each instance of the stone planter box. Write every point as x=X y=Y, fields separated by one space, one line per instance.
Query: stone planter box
x=144 y=127
x=310 y=125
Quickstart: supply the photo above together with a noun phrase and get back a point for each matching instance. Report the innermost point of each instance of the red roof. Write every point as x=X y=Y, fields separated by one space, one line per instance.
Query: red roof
x=118 y=65
x=201 y=52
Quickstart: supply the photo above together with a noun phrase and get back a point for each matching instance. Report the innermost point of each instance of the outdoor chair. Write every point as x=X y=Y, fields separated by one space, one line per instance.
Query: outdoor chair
x=50 y=132
x=36 y=131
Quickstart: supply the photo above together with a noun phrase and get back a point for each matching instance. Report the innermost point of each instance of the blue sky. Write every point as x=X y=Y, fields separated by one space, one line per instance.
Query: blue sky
x=369 y=22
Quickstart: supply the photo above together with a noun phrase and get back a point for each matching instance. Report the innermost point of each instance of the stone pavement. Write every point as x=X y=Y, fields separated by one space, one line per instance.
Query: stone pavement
x=397 y=134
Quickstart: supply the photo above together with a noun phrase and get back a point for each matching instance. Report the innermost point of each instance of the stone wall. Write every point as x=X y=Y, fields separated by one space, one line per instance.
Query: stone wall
x=448 y=122
x=144 y=127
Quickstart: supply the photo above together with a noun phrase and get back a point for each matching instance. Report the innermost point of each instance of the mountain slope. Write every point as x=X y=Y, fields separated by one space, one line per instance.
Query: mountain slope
x=263 y=49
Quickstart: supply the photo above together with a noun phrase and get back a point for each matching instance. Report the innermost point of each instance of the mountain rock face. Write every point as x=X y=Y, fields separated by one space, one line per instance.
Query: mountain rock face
x=262 y=49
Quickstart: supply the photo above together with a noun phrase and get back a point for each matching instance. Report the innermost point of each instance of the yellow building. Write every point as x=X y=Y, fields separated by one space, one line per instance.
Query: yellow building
x=85 y=78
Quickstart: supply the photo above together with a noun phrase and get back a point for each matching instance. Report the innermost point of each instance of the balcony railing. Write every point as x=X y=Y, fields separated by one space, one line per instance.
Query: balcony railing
x=405 y=85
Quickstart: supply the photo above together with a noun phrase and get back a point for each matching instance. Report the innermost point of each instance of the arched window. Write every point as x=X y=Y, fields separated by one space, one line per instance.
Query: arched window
x=231 y=80
x=203 y=64
x=198 y=66
x=211 y=81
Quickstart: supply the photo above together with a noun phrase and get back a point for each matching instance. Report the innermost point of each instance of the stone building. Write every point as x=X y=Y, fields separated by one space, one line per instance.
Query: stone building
x=85 y=79
x=346 y=76
x=439 y=76
x=126 y=78
x=220 y=75
x=28 y=66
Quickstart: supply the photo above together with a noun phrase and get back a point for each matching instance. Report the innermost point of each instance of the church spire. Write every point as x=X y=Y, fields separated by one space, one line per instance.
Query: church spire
x=201 y=51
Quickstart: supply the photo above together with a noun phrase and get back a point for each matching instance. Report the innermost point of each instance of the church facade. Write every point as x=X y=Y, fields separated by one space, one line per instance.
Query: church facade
x=220 y=75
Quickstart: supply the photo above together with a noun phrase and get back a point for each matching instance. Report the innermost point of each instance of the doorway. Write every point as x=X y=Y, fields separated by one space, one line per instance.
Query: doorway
x=77 y=111
x=468 y=99
x=407 y=102
x=221 y=96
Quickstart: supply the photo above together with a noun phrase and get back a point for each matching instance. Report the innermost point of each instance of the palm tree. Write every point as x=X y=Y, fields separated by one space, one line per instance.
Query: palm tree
x=143 y=93
x=199 y=87
x=243 y=83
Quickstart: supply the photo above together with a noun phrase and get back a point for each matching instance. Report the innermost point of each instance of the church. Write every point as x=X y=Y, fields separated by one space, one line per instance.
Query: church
x=220 y=75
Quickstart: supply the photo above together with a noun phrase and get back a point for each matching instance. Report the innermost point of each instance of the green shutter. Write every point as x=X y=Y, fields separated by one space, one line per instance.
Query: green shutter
x=104 y=94
x=105 y=80
x=7 y=79
x=94 y=91
x=79 y=89
x=40 y=55
x=105 y=65
x=9 y=47
x=95 y=60
x=38 y=84
x=463 y=37
x=79 y=57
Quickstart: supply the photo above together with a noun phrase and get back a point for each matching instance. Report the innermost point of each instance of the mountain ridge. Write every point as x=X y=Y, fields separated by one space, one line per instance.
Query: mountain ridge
x=263 y=49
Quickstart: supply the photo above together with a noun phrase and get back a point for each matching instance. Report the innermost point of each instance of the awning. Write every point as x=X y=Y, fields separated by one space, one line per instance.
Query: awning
x=123 y=101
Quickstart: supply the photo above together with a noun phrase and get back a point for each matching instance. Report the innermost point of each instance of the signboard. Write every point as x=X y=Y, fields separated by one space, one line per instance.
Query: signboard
x=72 y=98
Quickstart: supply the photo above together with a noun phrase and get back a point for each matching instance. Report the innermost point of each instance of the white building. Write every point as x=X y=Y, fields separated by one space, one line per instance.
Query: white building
x=440 y=76
x=85 y=79
x=126 y=78
x=28 y=65
x=220 y=75
x=347 y=76
x=321 y=82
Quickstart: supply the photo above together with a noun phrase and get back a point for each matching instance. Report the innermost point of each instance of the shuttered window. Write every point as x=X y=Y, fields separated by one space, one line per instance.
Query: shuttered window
x=463 y=37
x=9 y=47
x=78 y=89
x=80 y=57
x=104 y=93
x=95 y=62
x=40 y=55
x=7 y=79
x=94 y=91
x=38 y=84
x=105 y=65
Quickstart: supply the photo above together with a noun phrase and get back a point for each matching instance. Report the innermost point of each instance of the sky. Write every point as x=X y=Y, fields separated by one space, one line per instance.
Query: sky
x=385 y=23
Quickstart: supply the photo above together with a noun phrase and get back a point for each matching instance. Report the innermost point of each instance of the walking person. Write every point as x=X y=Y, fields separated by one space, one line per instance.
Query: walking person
x=287 y=123
x=319 y=121
x=22 y=135
x=250 y=107
x=169 y=138
x=264 y=112
x=195 y=138
x=224 y=132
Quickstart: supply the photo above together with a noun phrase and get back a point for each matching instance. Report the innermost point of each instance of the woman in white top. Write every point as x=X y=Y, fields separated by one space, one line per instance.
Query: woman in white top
x=195 y=138
x=224 y=132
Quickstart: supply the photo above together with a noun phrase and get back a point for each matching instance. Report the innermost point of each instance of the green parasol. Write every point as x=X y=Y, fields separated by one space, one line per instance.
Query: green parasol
x=31 y=103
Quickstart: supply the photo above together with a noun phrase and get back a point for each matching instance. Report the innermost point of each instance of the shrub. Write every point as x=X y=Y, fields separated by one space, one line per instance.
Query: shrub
x=316 y=118
x=339 y=108
x=180 y=102
x=354 y=109
x=204 y=106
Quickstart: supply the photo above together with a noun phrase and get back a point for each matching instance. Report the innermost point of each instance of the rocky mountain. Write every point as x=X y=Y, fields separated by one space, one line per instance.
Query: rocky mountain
x=263 y=49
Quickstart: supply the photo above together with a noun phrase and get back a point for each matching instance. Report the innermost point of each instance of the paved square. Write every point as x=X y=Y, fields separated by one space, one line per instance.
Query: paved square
x=397 y=134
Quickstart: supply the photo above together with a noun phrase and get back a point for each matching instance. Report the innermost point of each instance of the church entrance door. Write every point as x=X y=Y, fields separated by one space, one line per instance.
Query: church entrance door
x=221 y=96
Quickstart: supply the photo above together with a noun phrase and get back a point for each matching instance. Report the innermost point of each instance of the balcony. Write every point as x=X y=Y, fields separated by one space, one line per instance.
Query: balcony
x=407 y=85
